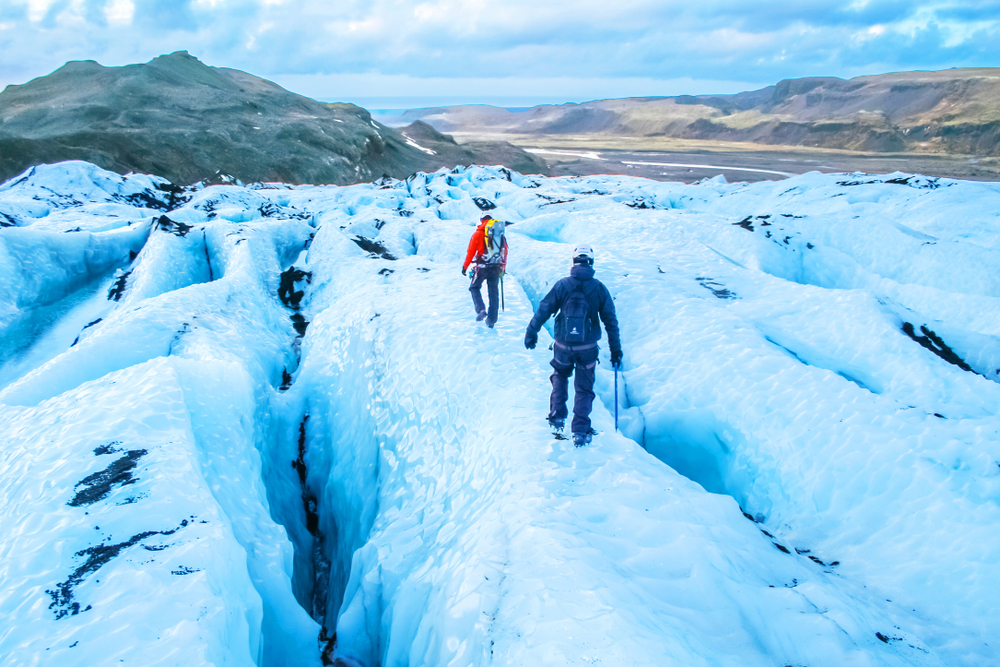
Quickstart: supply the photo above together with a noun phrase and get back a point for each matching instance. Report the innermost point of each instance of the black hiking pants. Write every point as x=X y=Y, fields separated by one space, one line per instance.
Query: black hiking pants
x=490 y=273
x=566 y=359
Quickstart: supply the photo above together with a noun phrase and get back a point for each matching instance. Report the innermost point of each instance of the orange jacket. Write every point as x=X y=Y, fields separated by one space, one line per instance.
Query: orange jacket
x=477 y=248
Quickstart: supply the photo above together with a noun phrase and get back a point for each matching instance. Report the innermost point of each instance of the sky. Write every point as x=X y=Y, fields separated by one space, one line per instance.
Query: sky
x=384 y=54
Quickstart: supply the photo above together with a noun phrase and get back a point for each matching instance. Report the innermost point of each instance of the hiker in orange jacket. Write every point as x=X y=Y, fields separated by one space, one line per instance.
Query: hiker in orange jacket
x=487 y=254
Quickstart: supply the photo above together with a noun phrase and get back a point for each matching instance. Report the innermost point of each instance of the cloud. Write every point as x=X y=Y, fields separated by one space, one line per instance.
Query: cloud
x=983 y=10
x=584 y=40
x=166 y=15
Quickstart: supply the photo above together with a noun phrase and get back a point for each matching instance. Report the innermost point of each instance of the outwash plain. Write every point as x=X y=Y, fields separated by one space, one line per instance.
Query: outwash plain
x=943 y=123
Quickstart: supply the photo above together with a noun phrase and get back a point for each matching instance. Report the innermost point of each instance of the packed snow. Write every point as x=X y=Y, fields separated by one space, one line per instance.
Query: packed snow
x=413 y=143
x=259 y=425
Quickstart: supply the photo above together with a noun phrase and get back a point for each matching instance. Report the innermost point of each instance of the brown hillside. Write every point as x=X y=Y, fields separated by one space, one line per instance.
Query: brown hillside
x=951 y=111
x=181 y=119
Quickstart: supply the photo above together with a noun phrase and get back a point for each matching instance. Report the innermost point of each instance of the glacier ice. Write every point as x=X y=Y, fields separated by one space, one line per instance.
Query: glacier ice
x=259 y=424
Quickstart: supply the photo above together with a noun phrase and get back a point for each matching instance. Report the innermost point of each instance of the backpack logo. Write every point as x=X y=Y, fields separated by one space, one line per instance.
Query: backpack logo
x=494 y=237
x=576 y=317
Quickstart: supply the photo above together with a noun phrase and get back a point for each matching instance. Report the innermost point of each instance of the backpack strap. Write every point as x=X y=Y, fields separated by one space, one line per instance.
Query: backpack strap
x=590 y=303
x=575 y=348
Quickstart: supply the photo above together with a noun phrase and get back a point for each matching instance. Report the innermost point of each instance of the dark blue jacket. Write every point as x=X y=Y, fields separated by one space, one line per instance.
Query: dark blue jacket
x=599 y=298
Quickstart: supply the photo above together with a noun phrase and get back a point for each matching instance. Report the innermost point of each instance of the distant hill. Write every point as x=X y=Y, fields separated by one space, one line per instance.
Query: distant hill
x=951 y=111
x=449 y=151
x=181 y=119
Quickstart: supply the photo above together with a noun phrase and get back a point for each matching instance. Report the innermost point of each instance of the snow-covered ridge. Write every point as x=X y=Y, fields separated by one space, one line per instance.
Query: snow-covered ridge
x=237 y=419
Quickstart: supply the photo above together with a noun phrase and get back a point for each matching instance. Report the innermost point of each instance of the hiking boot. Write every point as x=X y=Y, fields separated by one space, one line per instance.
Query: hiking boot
x=490 y=322
x=581 y=439
x=481 y=315
x=556 y=424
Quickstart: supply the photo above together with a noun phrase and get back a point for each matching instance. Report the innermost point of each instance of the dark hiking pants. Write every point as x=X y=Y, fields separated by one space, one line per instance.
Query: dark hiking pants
x=491 y=274
x=566 y=359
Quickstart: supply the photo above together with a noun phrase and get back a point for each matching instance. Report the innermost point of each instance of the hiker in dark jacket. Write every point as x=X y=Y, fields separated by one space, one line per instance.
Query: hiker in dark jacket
x=576 y=350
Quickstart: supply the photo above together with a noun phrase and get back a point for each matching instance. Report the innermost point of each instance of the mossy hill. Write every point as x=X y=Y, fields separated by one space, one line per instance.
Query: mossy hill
x=181 y=119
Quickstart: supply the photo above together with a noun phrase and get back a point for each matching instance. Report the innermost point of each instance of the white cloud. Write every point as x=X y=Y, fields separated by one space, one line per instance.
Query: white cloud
x=119 y=12
x=37 y=9
x=251 y=43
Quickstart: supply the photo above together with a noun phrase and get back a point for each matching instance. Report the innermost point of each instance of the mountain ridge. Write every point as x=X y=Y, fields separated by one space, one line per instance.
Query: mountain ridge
x=948 y=111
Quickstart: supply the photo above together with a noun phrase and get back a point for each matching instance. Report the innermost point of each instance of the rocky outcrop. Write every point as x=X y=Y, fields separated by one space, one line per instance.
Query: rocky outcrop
x=449 y=151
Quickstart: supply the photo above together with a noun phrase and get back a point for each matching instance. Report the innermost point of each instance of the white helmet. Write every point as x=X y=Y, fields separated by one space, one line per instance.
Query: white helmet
x=583 y=254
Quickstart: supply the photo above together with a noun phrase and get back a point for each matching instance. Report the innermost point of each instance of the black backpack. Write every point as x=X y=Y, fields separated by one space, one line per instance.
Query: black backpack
x=576 y=316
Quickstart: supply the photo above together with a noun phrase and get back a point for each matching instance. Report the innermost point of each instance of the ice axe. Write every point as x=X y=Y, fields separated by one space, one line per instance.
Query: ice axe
x=616 y=397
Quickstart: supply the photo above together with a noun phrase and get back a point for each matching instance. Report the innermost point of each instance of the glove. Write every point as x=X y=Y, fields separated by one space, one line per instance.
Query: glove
x=463 y=272
x=616 y=359
x=530 y=340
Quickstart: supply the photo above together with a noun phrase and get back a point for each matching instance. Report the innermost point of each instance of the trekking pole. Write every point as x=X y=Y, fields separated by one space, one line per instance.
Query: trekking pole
x=616 y=398
x=502 y=306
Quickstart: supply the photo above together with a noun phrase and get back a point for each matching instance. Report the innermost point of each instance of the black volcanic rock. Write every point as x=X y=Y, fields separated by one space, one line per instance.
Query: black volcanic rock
x=181 y=119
